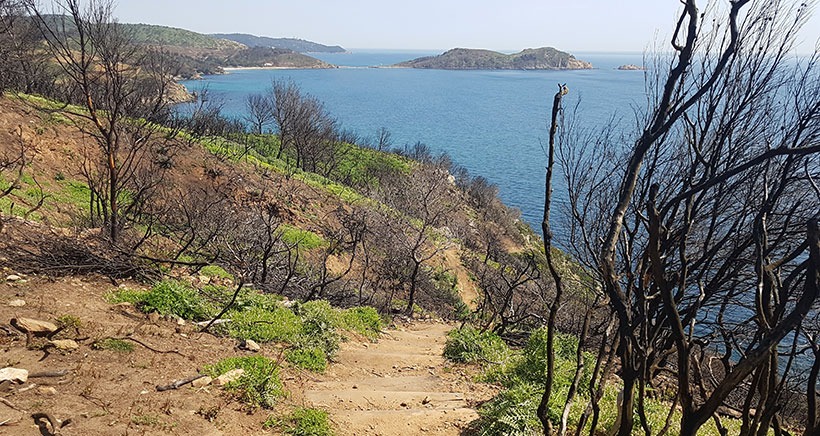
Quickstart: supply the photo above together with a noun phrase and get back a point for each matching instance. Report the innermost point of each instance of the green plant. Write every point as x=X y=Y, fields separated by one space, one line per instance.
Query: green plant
x=125 y=295
x=310 y=358
x=302 y=422
x=264 y=325
x=305 y=239
x=259 y=386
x=113 y=344
x=469 y=345
x=167 y=297
x=215 y=271
x=69 y=321
x=320 y=323
x=363 y=320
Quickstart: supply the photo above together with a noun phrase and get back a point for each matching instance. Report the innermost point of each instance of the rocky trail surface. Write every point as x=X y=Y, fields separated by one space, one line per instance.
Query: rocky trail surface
x=399 y=386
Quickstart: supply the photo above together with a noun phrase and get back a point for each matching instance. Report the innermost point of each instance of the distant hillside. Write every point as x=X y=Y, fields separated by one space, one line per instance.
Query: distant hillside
x=297 y=45
x=172 y=36
x=545 y=58
x=198 y=54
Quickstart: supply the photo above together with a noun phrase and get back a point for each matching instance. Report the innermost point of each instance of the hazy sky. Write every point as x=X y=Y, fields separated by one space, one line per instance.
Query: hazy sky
x=579 y=25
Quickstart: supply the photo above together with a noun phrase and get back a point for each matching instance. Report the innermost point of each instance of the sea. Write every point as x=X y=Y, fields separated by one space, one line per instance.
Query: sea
x=494 y=123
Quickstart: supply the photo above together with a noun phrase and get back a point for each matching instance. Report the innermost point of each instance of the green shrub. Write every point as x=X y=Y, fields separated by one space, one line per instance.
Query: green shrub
x=510 y=413
x=168 y=297
x=513 y=411
x=302 y=422
x=310 y=358
x=363 y=320
x=264 y=325
x=469 y=345
x=259 y=386
x=320 y=326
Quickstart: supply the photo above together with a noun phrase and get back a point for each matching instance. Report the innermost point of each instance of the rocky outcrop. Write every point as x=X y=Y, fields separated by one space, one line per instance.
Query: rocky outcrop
x=631 y=67
x=544 y=58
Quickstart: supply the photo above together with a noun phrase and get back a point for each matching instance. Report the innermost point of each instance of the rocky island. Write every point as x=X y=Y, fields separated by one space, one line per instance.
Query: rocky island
x=631 y=67
x=544 y=58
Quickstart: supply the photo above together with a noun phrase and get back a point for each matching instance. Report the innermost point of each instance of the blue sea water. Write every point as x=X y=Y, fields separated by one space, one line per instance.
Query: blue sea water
x=491 y=122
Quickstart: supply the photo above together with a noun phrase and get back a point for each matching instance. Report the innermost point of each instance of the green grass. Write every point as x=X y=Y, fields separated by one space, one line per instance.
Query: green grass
x=277 y=324
x=310 y=358
x=522 y=374
x=168 y=297
x=69 y=321
x=470 y=345
x=259 y=386
x=116 y=345
x=305 y=239
x=215 y=271
x=363 y=320
x=311 y=329
x=302 y=422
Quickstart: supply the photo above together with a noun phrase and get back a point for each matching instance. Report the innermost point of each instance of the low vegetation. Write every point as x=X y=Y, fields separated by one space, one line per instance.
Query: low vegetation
x=302 y=422
x=259 y=385
x=312 y=330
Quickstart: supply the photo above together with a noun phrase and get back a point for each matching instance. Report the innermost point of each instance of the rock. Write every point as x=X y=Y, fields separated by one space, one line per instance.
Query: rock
x=230 y=376
x=13 y=278
x=65 y=344
x=204 y=279
x=34 y=326
x=202 y=382
x=15 y=375
x=47 y=390
x=250 y=345
x=631 y=67
x=17 y=303
x=180 y=321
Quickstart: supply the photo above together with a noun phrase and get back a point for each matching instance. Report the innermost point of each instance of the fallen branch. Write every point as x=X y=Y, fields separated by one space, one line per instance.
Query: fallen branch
x=43 y=374
x=137 y=341
x=226 y=308
x=12 y=405
x=56 y=424
x=179 y=383
x=214 y=321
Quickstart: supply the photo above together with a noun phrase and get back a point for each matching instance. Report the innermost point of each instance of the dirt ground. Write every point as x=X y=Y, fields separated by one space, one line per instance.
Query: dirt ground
x=399 y=385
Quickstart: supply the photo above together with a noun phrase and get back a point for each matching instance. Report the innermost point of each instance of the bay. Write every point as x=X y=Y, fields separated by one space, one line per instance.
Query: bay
x=491 y=122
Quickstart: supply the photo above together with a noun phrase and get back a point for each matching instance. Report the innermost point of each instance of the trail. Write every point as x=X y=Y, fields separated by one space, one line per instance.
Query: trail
x=399 y=386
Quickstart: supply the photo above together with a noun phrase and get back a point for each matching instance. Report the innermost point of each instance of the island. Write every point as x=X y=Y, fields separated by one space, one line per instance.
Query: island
x=631 y=67
x=544 y=58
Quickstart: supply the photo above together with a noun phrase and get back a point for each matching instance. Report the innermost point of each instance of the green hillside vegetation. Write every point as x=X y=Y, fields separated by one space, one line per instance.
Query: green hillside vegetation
x=545 y=58
x=176 y=37
x=295 y=44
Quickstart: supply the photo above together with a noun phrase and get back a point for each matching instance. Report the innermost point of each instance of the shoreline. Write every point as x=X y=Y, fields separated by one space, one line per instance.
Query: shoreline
x=229 y=69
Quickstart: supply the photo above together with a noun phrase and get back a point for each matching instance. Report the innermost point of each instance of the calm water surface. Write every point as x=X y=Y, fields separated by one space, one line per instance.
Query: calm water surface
x=491 y=122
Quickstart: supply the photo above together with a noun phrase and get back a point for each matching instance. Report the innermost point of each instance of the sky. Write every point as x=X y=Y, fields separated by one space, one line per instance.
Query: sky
x=573 y=25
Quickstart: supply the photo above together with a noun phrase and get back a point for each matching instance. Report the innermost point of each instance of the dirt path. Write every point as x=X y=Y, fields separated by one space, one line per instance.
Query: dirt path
x=398 y=386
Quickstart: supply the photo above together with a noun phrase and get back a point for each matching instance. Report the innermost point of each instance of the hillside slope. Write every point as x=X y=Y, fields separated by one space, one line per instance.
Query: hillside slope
x=295 y=44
